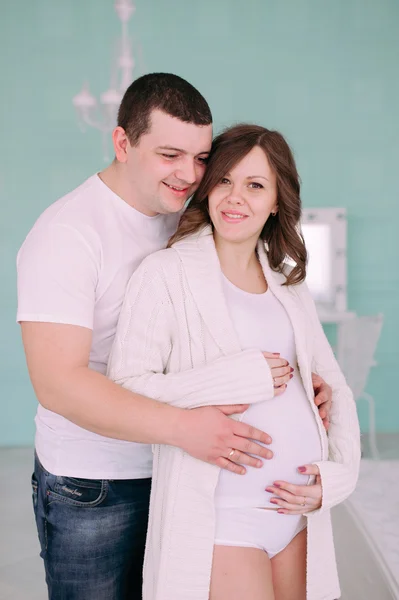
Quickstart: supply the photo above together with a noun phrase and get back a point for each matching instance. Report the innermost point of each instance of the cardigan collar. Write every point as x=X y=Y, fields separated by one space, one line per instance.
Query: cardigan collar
x=203 y=271
x=204 y=276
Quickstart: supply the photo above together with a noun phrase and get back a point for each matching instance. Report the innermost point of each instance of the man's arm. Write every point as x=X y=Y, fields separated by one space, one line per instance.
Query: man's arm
x=57 y=357
x=58 y=270
x=340 y=472
x=323 y=398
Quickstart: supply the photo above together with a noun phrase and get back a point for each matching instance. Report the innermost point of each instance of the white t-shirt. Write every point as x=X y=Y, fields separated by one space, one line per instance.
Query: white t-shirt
x=261 y=321
x=73 y=268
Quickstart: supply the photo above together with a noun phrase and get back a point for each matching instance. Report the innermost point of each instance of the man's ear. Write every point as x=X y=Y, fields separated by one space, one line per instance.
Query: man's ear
x=121 y=144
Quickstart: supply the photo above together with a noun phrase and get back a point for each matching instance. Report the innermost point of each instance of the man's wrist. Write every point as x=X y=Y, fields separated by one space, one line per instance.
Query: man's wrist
x=176 y=428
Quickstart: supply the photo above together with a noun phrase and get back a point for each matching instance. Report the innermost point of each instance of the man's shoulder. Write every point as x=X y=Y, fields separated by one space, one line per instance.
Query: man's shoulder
x=73 y=216
x=75 y=207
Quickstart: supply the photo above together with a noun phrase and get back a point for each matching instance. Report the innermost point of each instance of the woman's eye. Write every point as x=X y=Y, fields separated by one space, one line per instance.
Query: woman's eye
x=257 y=186
x=224 y=180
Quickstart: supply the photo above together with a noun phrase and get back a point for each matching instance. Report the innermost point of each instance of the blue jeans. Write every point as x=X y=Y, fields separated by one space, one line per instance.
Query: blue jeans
x=92 y=535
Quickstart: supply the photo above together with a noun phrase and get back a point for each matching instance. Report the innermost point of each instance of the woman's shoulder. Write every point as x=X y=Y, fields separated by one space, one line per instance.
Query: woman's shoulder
x=154 y=277
x=299 y=290
x=161 y=259
x=159 y=266
x=300 y=287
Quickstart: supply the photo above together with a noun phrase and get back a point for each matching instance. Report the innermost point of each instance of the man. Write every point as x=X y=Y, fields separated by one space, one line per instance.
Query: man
x=92 y=474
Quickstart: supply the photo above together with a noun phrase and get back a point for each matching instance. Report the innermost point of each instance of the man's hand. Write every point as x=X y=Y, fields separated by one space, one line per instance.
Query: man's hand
x=323 y=398
x=209 y=434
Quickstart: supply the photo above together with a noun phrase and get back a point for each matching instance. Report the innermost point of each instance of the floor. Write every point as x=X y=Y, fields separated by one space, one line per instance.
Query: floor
x=366 y=529
x=21 y=569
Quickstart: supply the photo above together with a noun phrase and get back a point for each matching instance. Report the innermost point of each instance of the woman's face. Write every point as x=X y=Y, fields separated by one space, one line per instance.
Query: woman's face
x=241 y=203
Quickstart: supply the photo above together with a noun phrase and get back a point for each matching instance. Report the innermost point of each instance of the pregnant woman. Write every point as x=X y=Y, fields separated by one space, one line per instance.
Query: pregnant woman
x=224 y=287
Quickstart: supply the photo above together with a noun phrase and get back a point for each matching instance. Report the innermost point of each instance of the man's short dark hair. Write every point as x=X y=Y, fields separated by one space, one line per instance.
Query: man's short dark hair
x=163 y=91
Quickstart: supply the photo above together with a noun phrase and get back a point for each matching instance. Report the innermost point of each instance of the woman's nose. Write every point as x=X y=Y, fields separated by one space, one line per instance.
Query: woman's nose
x=235 y=198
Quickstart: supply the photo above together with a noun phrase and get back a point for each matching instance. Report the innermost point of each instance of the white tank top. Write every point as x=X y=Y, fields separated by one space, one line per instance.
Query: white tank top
x=261 y=322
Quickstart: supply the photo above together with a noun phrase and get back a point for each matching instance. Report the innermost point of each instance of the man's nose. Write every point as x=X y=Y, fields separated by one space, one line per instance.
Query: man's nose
x=187 y=172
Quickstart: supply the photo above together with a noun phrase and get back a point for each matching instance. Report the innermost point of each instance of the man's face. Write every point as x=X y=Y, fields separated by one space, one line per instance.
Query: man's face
x=167 y=165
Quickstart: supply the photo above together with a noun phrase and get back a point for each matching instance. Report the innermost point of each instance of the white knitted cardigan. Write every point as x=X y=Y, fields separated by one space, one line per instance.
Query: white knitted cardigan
x=175 y=342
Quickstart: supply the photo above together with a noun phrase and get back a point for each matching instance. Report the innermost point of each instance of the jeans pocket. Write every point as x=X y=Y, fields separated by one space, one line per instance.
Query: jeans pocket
x=85 y=493
x=34 y=491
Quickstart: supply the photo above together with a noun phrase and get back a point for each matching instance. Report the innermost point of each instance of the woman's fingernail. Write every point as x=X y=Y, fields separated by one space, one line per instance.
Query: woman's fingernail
x=277 y=485
x=291 y=370
x=302 y=469
x=280 y=512
x=269 y=490
x=273 y=500
x=291 y=376
x=276 y=353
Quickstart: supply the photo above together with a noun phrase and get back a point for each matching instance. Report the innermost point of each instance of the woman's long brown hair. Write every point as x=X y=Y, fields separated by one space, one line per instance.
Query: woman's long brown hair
x=281 y=232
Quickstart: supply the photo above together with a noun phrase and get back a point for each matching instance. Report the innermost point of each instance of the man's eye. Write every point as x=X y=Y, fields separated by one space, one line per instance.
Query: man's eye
x=202 y=159
x=169 y=155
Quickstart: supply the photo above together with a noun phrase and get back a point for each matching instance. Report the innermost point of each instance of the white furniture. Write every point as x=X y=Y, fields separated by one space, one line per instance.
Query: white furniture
x=356 y=344
x=325 y=233
x=334 y=316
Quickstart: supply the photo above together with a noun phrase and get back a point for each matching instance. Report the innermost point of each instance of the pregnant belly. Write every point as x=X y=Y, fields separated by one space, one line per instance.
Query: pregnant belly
x=290 y=422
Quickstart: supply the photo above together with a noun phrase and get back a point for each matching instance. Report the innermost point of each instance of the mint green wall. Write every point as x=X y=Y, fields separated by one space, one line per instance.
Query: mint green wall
x=324 y=73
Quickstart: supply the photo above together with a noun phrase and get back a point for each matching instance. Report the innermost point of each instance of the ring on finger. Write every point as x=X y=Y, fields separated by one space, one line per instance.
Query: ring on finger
x=304 y=501
x=231 y=453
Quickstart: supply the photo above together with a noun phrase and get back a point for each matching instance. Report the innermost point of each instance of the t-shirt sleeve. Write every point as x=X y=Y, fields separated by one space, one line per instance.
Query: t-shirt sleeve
x=57 y=273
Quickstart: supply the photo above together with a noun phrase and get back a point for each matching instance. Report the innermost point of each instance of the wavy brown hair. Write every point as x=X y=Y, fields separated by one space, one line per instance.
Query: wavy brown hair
x=280 y=232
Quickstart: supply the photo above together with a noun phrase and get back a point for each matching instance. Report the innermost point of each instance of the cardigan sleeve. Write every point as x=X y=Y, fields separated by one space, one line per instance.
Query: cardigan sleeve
x=340 y=473
x=149 y=325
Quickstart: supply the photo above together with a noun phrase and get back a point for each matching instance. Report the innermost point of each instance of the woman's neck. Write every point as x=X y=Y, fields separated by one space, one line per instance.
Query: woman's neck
x=240 y=264
x=240 y=256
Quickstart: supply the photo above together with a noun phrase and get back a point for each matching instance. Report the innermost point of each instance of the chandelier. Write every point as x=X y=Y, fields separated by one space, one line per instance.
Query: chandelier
x=102 y=115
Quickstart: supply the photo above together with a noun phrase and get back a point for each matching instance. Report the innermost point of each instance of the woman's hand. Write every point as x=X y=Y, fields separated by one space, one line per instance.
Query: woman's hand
x=297 y=499
x=281 y=371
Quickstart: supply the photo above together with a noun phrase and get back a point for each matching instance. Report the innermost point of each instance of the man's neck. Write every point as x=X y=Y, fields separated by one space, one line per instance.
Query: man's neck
x=113 y=177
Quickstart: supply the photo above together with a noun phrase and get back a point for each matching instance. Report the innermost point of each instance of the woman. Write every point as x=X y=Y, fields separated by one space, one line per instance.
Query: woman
x=222 y=288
